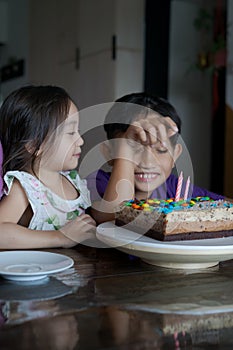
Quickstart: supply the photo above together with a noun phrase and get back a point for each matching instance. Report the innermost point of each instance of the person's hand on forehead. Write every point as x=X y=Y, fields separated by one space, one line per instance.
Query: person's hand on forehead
x=152 y=130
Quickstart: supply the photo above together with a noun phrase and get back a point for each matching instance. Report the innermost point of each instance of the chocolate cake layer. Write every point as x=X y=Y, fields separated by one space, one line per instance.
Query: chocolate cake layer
x=177 y=237
x=171 y=221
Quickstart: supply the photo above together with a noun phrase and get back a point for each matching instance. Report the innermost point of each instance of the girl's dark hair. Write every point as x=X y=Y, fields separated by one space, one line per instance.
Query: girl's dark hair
x=27 y=116
x=127 y=108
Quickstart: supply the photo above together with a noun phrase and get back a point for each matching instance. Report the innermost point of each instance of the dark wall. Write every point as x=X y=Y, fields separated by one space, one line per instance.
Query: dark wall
x=157 y=27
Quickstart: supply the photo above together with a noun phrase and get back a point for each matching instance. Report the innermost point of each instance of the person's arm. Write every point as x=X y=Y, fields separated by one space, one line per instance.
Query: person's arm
x=14 y=236
x=121 y=183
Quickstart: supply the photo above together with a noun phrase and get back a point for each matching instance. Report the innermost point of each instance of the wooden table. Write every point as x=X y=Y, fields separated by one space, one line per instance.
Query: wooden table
x=110 y=300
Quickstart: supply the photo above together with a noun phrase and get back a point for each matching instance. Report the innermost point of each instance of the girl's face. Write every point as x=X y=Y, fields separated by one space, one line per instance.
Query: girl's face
x=64 y=154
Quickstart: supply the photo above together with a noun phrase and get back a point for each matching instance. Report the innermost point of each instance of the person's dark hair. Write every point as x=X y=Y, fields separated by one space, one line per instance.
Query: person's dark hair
x=127 y=108
x=27 y=116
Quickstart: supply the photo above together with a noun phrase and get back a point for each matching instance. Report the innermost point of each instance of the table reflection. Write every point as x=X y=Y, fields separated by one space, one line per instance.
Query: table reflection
x=109 y=300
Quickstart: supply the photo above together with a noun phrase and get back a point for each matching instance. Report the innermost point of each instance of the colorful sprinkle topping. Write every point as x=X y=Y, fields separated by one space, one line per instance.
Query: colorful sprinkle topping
x=168 y=205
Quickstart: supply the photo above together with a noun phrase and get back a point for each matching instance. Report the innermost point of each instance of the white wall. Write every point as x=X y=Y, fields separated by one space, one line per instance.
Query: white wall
x=88 y=25
x=58 y=28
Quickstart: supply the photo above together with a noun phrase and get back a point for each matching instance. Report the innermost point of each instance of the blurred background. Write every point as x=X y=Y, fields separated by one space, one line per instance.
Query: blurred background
x=99 y=50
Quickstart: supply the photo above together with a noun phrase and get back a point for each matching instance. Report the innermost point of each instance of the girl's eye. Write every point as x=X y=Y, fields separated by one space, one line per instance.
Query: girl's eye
x=73 y=132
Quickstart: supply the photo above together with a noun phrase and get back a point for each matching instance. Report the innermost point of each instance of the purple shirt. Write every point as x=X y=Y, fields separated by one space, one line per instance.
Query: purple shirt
x=1 y=159
x=97 y=183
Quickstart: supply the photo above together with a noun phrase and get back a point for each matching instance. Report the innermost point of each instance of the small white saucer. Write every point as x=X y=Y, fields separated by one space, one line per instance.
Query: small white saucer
x=31 y=265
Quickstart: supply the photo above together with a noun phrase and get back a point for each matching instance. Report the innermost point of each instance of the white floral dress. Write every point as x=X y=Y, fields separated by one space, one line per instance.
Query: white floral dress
x=50 y=212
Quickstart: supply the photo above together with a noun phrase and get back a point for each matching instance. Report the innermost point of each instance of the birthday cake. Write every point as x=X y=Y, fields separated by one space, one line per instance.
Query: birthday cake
x=170 y=220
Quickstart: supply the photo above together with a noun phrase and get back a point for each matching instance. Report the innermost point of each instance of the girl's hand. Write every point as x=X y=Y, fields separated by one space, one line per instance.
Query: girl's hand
x=79 y=229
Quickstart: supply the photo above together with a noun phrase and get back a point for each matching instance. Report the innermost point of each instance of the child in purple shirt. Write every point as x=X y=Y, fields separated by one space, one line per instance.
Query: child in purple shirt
x=142 y=148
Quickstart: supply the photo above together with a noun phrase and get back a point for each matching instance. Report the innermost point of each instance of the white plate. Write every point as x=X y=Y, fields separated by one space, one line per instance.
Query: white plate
x=31 y=265
x=183 y=255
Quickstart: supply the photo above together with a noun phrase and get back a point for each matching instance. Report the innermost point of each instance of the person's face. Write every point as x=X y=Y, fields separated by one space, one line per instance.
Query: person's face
x=153 y=165
x=153 y=162
x=65 y=152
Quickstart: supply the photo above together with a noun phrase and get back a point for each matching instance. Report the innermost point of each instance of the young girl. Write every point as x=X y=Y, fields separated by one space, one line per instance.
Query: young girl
x=44 y=198
x=142 y=148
